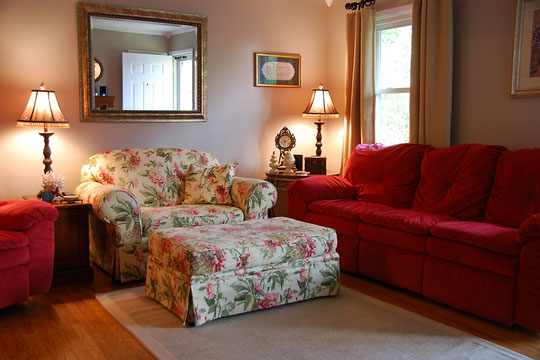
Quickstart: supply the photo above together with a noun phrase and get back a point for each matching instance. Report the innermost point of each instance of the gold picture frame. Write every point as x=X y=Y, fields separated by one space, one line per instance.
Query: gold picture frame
x=526 y=55
x=277 y=70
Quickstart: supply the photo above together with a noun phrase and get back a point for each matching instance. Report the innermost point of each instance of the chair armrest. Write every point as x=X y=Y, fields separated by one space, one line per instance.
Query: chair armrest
x=253 y=196
x=304 y=191
x=23 y=214
x=528 y=284
x=115 y=206
x=530 y=228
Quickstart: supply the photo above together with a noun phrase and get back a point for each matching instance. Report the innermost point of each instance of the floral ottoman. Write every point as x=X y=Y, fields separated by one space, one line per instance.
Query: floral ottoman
x=208 y=272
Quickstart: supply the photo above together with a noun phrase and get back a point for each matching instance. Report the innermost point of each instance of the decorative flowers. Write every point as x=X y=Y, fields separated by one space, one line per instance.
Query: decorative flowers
x=53 y=182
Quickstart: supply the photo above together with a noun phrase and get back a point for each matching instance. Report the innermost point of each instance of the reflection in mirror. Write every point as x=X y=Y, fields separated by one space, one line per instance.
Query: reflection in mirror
x=154 y=60
x=154 y=63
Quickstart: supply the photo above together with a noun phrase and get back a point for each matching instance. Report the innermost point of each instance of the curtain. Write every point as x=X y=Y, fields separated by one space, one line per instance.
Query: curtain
x=431 y=72
x=359 y=123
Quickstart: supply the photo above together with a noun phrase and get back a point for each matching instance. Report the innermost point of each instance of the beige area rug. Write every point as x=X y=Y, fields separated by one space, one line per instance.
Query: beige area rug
x=348 y=326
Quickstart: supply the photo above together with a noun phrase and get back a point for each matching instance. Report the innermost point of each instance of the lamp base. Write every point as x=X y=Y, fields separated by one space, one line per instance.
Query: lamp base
x=315 y=164
x=46 y=151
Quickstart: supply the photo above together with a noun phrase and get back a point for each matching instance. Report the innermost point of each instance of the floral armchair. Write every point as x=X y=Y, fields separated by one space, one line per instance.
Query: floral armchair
x=136 y=191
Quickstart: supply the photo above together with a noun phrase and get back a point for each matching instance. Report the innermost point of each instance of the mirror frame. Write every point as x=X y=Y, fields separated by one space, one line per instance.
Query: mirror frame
x=86 y=62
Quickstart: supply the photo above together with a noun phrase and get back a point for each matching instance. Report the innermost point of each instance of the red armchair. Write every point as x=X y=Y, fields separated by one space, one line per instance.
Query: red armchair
x=26 y=249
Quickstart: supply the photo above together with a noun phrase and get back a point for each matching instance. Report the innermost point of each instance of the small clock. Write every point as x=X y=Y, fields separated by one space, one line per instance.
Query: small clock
x=285 y=141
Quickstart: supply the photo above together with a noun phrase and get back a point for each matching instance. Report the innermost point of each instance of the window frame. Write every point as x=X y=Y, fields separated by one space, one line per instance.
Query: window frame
x=388 y=19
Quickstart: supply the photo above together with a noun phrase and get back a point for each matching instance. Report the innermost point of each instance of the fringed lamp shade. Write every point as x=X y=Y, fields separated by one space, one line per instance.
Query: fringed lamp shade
x=320 y=106
x=42 y=110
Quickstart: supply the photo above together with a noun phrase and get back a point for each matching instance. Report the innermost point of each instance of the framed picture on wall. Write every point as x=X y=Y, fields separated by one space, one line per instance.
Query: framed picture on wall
x=526 y=57
x=277 y=70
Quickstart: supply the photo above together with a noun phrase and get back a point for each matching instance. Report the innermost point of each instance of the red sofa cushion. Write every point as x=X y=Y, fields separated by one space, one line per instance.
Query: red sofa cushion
x=457 y=180
x=493 y=237
x=473 y=256
x=385 y=175
x=516 y=191
x=348 y=209
x=22 y=214
x=416 y=222
x=10 y=239
x=393 y=237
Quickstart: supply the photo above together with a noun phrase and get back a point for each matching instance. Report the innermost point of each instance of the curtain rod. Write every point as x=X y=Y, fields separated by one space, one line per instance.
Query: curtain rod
x=359 y=5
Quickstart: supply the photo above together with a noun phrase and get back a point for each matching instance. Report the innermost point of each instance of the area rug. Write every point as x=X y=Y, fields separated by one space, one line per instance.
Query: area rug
x=348 y=326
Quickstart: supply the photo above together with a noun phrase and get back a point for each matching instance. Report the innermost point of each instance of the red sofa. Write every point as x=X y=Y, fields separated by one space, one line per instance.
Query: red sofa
x=26 y=249
x=460 y=225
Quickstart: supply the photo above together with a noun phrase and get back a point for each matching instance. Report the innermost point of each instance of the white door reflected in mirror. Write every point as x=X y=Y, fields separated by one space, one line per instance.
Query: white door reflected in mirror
x=147 y=81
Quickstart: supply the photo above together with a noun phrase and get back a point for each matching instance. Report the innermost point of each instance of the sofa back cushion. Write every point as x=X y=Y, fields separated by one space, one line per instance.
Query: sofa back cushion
x=385 y=174
x=153 y=175
x=457 y=180
x=516 y=192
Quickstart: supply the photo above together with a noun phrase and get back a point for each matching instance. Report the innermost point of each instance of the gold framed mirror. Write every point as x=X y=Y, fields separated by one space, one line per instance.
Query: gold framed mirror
x=155 y=61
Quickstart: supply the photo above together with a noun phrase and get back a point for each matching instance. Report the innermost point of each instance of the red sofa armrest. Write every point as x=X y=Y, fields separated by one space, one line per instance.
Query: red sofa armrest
x=328 y=187
x=530 y=228
x=528 y=286
x=23 y=214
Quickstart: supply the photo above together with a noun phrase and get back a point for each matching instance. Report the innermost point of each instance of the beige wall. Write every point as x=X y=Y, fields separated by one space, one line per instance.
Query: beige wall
x=38 y=42
x=483 y=110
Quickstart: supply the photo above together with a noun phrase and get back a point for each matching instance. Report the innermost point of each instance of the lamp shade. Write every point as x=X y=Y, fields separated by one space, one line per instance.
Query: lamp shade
x=42 y=110
x=320 y=105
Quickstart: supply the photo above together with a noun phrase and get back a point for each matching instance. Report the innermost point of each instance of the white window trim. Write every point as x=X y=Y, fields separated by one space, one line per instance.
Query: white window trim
x=387 y=19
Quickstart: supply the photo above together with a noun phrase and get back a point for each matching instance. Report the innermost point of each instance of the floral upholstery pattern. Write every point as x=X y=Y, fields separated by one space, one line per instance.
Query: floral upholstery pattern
x=253 y=196
x=207 y=272
x=188 y=215
x=131 y=189
x=211 y=185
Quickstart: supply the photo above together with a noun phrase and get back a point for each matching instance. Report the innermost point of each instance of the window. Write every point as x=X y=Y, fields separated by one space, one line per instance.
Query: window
x=393 y=75
x=184 y=79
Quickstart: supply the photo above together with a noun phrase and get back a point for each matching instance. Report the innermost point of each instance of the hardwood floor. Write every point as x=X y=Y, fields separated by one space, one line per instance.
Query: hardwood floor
x=69 y=323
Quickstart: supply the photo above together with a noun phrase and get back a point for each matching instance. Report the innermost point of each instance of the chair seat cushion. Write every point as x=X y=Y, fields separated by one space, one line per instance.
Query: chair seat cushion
x=348 y=209
x=497 y=238
x=200 y=250
x=415 y=222
x=154 y=218
x=12 y=239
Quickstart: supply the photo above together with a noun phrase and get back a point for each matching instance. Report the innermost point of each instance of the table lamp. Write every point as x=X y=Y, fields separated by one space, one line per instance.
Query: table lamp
x=43 y=110
x=321 y=107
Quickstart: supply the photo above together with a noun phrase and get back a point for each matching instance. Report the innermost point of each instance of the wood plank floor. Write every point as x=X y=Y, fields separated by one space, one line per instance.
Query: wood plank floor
x=69 y=323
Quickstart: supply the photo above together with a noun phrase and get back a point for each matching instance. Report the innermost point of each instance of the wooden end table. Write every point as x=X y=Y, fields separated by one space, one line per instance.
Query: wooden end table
x=71 y=249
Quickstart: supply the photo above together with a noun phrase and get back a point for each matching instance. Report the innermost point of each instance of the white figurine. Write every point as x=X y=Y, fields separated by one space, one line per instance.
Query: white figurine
x=273 y=164
x=289 y=162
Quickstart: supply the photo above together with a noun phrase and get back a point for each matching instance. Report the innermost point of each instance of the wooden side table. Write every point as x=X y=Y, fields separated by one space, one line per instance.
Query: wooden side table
x=71 y=249
x=282 y=182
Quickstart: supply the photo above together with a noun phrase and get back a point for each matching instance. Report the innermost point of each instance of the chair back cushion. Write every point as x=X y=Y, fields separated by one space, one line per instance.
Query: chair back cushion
x=457 y=180
x=516 y=192
x=153 y=175
x=385 y=174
